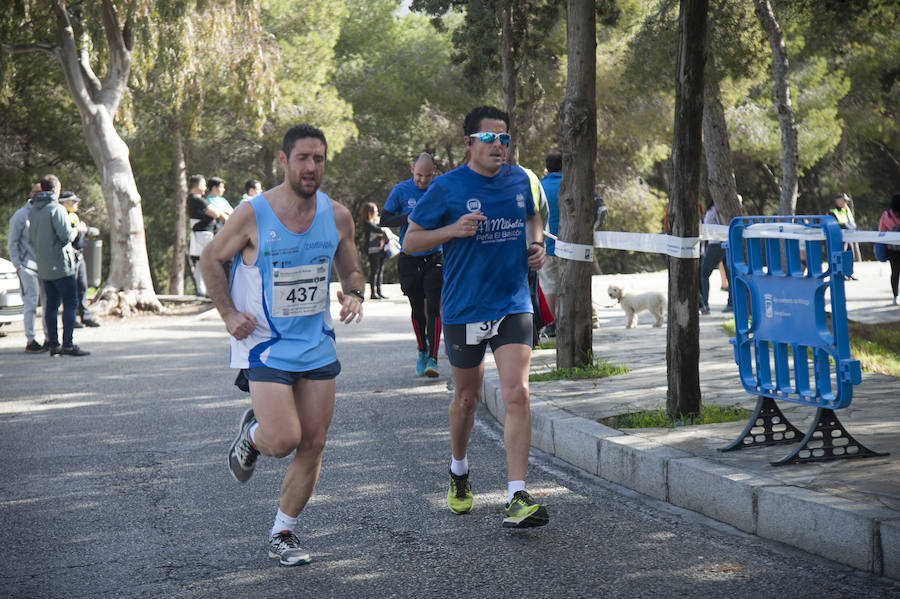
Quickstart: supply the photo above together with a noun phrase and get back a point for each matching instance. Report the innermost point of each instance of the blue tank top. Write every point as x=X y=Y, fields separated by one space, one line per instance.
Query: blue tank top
x=286 y=290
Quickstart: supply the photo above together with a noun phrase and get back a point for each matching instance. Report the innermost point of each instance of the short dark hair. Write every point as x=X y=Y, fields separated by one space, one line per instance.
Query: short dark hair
x=895 y=204
x=49 y=182
x=301 y=132
x=195 y=180
x=553 y=162
x=251 y=184
x=476 y=115
x=215 y=182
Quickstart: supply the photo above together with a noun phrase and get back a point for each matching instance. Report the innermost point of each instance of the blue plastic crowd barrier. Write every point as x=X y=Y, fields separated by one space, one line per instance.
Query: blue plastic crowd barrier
x=785 y=272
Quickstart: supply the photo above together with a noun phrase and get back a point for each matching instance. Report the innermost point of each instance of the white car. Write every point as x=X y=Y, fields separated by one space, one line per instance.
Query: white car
x=11 y=306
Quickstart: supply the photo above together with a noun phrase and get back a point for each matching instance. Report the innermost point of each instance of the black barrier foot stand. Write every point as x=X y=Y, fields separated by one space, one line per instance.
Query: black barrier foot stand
x=827 y=439
x=767 y=426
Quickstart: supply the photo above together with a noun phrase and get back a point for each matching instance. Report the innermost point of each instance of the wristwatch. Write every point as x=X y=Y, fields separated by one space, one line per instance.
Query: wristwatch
x=358 y=294
x=540 y=243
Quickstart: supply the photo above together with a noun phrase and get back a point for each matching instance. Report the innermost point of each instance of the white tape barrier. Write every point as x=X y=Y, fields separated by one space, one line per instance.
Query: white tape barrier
x=804 y=233
x=571 y=251
x=689 y=247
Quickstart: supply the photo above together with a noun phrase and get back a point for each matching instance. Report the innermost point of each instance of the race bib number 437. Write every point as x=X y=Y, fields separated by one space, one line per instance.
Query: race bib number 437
x=299 y=291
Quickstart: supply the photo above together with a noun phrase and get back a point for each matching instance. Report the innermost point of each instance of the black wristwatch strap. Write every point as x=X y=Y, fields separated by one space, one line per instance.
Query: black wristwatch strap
x=358 y=294
x=540 y=243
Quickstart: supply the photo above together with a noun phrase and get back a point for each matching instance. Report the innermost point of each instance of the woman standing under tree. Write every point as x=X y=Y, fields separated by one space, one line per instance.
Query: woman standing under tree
x=890 y=221
x=375 y=240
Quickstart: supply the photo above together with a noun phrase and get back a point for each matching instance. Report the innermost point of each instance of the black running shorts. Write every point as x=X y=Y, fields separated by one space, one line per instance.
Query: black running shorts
x=514 y=328
x=421 y=275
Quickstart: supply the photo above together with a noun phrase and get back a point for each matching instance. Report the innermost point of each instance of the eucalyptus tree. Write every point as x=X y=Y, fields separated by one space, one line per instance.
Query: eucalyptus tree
x=786 y=121
x=306 y=34
x=407 y=97
x=76 y=42
x=207 y=68
x=858 y=44
x=513 y=40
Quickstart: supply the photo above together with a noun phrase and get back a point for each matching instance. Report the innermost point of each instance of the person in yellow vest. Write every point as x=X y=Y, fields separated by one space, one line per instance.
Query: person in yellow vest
x=844 y=216
x=71 y=203
x=842 y=212
x=541 y=207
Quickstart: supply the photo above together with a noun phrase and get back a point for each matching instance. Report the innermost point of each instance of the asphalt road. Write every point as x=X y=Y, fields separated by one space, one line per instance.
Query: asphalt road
x=115 y=485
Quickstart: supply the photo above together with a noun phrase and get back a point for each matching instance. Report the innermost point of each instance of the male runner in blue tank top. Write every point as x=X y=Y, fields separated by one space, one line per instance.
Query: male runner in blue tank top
x=479 y=212
x=421 y=274
x=284 y=243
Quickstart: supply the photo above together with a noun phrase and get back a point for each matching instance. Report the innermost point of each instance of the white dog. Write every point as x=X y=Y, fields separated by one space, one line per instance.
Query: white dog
x=652 y=301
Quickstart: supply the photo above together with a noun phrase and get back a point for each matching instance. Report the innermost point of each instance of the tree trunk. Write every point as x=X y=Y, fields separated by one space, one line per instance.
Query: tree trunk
x=683 y=332
x=128 y=286
x=781 y=69
x=720 y=172
x=578 y=142
x=507 y=54
x=270 y=173
x=179 y=211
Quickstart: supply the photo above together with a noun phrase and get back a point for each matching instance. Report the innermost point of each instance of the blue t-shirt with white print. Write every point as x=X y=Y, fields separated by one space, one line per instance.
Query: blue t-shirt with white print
x=402 y=200
x=486 y=275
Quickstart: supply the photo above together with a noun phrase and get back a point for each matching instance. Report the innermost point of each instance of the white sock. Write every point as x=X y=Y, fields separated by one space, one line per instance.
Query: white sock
x=282 y=522
x=459 y=467
x=253 y=433
x=513 y=486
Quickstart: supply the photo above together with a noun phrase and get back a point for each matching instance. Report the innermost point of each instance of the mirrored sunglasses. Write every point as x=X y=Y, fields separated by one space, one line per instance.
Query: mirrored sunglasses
x=487 y=137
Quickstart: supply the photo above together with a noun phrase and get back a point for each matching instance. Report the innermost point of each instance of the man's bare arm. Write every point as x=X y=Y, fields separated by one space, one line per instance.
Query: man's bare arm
x=346 y=262
x=236 y=235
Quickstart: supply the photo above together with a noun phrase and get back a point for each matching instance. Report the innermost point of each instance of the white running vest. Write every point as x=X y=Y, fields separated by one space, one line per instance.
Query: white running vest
x=286 y=290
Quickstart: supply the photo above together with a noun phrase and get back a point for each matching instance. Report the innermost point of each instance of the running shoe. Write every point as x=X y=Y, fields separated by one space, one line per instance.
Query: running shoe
x=421 y=361
x=431 y=368
x=242 y=455
x=523 y=512
x=459 y=497
x=285 y=547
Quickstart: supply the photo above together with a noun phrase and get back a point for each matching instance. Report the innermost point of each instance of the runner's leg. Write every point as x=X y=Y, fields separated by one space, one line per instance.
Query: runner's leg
x=513 y=365
x=466 y=387
x=314 y=404
x=432 y=282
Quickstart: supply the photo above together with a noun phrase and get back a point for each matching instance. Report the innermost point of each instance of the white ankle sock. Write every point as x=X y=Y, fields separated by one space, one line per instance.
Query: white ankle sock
x=282 y=522
x=459 y=467
x=253 y=433
x=513 y=486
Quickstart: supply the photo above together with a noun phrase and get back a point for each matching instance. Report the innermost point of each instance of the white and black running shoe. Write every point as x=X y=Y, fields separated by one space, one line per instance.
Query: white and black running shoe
x=242 y=455
x=285 y=547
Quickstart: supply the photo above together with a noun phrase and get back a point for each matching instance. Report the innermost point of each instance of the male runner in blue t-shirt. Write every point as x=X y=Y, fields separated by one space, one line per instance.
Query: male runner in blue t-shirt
x=479 y=212
x=421 y=274
x=284 y=243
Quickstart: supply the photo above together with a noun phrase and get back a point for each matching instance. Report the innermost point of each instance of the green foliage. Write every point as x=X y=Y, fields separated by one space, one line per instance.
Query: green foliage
x=231 y=75
x=633 y=206
x=597 y=370
x=406 y=96
x=658 y=418
x=307 y=33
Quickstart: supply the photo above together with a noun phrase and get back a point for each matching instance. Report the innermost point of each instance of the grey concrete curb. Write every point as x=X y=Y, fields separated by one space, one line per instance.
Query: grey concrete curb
x=861 y=535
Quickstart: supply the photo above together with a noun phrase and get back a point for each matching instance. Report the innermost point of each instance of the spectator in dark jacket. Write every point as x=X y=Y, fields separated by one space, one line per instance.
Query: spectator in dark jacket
x=51 y=234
